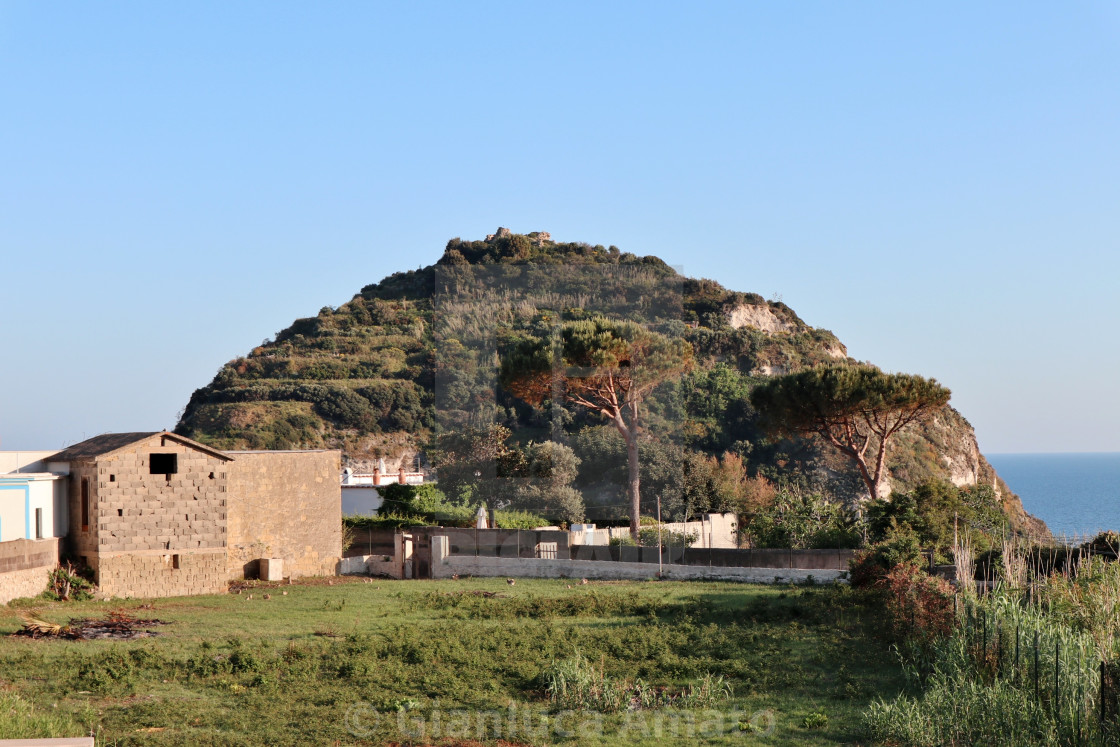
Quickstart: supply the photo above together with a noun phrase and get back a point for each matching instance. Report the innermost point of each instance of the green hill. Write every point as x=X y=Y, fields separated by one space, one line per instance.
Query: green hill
x=416 y=355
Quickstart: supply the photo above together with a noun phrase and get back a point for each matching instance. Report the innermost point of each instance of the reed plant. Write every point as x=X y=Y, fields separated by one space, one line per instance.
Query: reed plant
x=965 y=563
x=1011 y=674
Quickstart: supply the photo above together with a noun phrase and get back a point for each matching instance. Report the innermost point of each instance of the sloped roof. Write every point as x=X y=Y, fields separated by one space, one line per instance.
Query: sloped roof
x=107 y=443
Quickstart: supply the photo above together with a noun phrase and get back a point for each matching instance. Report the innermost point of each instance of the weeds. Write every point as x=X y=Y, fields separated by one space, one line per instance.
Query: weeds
x=576 y=682
x=664 y=649
x=64 y=584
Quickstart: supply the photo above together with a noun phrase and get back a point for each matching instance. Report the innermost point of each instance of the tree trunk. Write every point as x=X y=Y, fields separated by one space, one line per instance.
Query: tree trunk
x=632 y=486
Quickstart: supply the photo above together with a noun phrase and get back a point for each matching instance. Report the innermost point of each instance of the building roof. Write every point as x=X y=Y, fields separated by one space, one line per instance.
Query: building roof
x=107 y=443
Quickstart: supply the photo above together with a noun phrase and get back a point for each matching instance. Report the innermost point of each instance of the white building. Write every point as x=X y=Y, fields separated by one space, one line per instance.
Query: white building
x=32 y=500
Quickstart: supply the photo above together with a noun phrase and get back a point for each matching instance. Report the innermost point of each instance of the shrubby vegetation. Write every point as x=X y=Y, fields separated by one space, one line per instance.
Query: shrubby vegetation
x=803 y=521
x=426 y=505
x=1036 y=661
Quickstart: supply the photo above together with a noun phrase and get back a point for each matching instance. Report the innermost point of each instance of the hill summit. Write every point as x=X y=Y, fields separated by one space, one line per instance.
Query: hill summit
x=416 y=355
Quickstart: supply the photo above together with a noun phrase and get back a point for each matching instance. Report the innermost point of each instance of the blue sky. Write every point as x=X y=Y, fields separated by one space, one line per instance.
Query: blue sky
x=938 y=185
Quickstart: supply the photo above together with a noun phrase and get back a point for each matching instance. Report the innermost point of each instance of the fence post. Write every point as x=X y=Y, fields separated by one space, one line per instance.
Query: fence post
x=1016 y=678
x=999 y=647
x=1057 y=675
x=1102 y=695
x=984 y=631
x=1036 y=693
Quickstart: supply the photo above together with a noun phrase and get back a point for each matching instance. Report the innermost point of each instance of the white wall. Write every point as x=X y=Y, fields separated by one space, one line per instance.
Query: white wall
x=360 y=501
x=11 y=514
x=712 y=530
x=24 y=461
x=19 y=499
x=445 y=565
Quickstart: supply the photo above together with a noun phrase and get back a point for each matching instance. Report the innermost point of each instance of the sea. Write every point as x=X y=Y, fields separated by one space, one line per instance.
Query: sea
x=1077 y=495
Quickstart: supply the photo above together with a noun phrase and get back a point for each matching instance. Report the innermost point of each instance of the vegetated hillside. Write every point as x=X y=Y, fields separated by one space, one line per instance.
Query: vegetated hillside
x=417 y=353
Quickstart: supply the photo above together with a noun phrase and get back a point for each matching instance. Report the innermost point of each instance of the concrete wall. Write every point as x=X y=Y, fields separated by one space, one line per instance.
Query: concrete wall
x=712 y=530
x=288 y=505
x=445 y=565
x=161 y=574
x=24 y=565
x=82 y=539
x=371 y=565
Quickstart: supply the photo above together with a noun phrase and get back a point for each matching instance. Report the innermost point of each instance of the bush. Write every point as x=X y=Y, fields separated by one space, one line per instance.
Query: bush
x=648 y=537
x=921 y=606
x=803 y=521
x=64 y=584
x=869 y=566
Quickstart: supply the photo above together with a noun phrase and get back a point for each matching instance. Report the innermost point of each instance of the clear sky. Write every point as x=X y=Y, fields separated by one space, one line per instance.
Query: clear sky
x=937 y=183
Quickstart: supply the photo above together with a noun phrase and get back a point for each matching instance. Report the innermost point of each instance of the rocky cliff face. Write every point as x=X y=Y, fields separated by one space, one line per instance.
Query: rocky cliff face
x=758 y=316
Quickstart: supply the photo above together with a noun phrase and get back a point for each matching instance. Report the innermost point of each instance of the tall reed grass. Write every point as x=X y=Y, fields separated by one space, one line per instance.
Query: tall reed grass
x=1019 y=669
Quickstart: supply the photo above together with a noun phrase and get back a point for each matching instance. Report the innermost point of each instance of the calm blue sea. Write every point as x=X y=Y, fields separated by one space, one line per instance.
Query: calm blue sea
x=1075 y=494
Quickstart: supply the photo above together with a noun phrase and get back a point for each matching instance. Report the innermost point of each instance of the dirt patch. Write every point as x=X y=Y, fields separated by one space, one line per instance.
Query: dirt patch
x=115 y=625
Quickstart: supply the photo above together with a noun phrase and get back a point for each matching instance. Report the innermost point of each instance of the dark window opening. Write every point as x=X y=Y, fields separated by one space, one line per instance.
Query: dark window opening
x=211 y=475
x=175 y=562
x=112 y=478
x=120 y=512
x=85 y=504
x=163 y=464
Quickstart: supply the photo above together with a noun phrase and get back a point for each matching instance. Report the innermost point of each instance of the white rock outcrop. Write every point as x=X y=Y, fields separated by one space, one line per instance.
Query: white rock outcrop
x=757 y=316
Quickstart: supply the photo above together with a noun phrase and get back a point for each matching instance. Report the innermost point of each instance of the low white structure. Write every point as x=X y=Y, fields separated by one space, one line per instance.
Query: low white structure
x=360 y=500
x=24 y=461
x=380 y=476
x=360 y=496
x=32 y=506
x=445 y=565
x=32 y=499
x=710 y=531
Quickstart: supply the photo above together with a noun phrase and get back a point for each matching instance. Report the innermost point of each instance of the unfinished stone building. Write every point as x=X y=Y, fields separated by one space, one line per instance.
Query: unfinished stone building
x=157 y=514
x=148 y=513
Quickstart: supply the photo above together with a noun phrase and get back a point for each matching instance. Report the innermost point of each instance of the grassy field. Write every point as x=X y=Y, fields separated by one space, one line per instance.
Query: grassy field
x=441 y=662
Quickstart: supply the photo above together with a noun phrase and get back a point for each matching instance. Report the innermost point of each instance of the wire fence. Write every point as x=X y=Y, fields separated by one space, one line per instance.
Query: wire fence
x=1060 y=670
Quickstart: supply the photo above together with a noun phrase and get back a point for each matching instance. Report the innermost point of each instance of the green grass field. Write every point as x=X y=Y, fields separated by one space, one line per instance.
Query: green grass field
x=431 y=662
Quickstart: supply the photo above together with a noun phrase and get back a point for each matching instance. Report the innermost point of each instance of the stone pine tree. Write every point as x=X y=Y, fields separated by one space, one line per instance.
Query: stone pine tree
x=856 y=408
x=606 y=366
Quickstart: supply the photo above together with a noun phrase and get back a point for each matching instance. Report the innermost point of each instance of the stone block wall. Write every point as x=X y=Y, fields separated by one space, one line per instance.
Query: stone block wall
x=152 y=534
x=288 y=505
x=166 y=574
x=82 y=541
x=138 y=510
x=24 y=565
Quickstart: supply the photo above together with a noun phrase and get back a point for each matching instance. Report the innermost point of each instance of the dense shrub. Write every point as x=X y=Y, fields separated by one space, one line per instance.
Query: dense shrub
x=921 y=606
x=934 y=510
x=801 y=520
x=872 y=564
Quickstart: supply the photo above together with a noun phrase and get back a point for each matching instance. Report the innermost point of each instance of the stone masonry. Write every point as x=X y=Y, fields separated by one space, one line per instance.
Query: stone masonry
x=287 y=505
x=24 y=566
x=151 y=532
x=157 y=514
x=165 y=574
